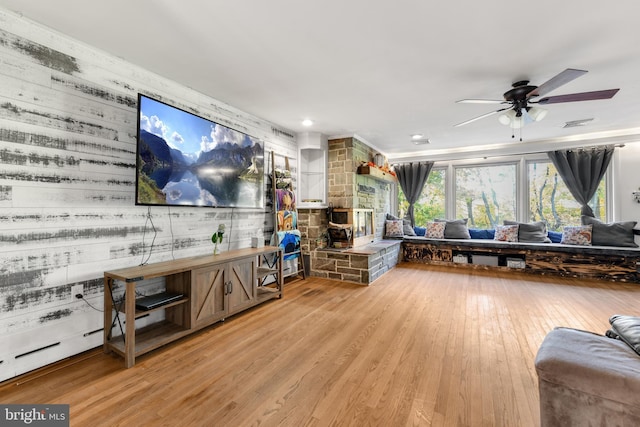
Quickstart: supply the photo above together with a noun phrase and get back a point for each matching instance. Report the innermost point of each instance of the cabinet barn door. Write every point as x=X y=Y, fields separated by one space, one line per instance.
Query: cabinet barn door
x=242 y=276
x=208 y=300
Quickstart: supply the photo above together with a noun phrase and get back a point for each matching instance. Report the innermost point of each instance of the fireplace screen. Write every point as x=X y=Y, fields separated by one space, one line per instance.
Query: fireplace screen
x=362 y=222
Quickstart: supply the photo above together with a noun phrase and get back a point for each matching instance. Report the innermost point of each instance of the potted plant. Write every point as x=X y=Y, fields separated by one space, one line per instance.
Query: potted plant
x=217 y=238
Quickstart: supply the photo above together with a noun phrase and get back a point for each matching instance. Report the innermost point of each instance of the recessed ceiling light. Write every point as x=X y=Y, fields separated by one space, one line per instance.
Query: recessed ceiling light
x=307 y=122
x=419 y=139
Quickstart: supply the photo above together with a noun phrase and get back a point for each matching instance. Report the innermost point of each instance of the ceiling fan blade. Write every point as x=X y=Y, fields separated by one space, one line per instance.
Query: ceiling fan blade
x=582 y=96
x=555 y=82
x=481 y=101
x=481 y=117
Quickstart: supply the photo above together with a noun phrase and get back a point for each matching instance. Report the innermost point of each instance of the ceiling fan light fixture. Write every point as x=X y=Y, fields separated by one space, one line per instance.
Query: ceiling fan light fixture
x=507 y=117
x=537 y=113
x=517 y=122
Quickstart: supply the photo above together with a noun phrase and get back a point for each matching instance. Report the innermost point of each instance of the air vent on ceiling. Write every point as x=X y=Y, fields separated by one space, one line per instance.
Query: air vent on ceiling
x=421 y=141
x=576 y=123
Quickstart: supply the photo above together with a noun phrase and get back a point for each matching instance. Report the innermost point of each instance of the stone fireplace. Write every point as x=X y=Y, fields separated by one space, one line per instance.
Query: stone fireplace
x=348 y=189
x=350 y=192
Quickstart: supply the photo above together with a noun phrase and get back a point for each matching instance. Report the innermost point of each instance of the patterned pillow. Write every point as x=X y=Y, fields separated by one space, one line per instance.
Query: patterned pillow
x=407 y=229
x=393 y=228
x=506 y=233
x=577 y=235
x=435 y=230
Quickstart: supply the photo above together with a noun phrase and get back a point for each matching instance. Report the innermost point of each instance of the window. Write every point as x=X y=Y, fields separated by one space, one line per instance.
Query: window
x=486 y=195
x=551 y=202
x=431 y=203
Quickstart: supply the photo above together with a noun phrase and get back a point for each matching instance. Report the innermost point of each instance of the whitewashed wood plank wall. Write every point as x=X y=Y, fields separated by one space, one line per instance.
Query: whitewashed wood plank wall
x=67 y=182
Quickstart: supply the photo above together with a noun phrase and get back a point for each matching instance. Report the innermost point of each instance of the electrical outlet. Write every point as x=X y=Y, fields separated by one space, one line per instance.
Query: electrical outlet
x=76 y=290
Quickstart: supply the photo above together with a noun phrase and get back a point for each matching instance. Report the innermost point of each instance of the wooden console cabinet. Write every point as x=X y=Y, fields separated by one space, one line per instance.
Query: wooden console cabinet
x=213 y=288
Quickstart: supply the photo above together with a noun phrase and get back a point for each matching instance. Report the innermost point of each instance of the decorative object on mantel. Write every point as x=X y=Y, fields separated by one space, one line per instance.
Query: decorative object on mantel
x=384 y=173
x=217 y=238
x=378 y=159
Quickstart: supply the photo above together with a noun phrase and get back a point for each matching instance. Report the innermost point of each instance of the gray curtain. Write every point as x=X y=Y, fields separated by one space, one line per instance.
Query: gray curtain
x=411 y=177
x=581 y=170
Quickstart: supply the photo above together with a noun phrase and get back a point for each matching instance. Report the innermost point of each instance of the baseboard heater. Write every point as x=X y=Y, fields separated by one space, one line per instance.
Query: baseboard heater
x=37 y=350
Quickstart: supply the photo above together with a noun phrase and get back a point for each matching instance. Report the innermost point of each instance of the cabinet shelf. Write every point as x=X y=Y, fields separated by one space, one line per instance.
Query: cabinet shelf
x=312 y=174
x=266 y=271
x=142 y=313
x=264 y=293
x=150 y=337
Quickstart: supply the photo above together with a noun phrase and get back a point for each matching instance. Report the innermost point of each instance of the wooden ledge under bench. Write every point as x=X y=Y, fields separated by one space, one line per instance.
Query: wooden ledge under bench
x=618 y=264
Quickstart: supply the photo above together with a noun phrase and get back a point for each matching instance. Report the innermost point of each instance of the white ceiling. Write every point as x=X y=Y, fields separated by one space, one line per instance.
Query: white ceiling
x=379 y=69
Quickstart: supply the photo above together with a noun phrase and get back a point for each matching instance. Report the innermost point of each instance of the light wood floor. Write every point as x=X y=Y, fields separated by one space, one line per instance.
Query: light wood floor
x=420 y=346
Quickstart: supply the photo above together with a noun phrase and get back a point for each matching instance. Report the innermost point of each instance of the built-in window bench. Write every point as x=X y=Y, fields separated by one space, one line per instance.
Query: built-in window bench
x=619 y=264
x=362 y=264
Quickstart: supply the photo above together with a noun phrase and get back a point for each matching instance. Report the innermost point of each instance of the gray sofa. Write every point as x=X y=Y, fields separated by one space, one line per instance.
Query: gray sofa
x=586 y=379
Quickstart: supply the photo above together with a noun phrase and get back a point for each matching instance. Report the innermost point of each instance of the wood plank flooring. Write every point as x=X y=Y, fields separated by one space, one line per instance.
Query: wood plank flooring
x=420 y=346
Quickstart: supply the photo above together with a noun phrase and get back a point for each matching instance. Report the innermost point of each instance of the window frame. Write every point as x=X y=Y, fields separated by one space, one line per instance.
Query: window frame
x=486 y=164
x=522 y=182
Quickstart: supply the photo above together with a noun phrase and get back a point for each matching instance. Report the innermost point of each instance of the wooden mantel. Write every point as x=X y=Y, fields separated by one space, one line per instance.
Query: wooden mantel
x=376 y=173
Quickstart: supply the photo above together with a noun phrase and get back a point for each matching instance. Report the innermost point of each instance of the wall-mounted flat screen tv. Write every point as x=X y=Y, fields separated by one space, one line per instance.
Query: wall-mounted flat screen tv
x=185 y=160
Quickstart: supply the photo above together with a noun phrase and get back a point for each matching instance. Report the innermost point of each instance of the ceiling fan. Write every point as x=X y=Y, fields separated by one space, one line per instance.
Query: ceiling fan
x=522 y=99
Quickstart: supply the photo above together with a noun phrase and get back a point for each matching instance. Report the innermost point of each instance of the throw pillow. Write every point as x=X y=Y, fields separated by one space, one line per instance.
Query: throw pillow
x=506 y=233
x=393 y=228
x=612 y=234
x=555 y=236
x=531 y=232
x=435 y=230
x=407 y=229
x=482 y=233
x=576 y=235
x=420 y=231
x=455 y=229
